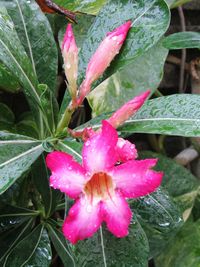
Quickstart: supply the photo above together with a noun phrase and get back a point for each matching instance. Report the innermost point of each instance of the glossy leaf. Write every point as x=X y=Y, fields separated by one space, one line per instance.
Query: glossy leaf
x=86 y=6
x=130 y=251
x=182 y=40
x=34 y=249
x=40 y=176
x=181 y=184
x=14 y=57
x=184 y=250
x=144 y=73
x=16 y=157
x=7 y=81
x=12 y=217
x=160 y=218
x=62 y=247
x=6 y=114
x=172 y=115
x=144 y=33
x=50 y=106
x=10 y=238
x=35 y=34
x=71 y=147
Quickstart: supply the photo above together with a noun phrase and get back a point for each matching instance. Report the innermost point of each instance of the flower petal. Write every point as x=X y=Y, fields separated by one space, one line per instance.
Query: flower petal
x=83 y=220
x=99 y=150
x=125 y=150
x=135 y=178
x=67 y=175
x=117 y=215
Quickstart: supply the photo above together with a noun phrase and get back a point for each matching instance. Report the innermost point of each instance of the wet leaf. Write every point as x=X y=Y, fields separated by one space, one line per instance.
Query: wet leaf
x=62 y=247
x=16 y=157
x=86 y=6
x=40 y=176
x=34 y=249
x=130 y=251
x=184 y=250
x=160 y=218
x=170 y=115
x=7 y=81
x=182 y=40
x=71 y=147
x=144 y=33
x=35 y=33
x=144 y=73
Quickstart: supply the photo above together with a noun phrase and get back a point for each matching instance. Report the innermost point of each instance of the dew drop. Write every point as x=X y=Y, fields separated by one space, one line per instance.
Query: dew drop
x=68 y=66
x=89 y=208
x=114 y=38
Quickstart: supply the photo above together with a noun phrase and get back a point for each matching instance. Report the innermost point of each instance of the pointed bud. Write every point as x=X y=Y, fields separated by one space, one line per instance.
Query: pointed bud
x=103 y=56
x=70 y=56
x=128 y=110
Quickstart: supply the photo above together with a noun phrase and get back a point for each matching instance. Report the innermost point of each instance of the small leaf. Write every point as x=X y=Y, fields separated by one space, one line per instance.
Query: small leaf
x=182 y=40
x=16 y=157
x=61 y=246
x=6 y=114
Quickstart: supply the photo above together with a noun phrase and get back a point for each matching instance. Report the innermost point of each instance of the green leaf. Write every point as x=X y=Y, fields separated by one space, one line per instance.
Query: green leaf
x=7 y=81
x=40 y=177
x=71 y=147
x=184 y=250
x=35 y=34
x=182 y=40
x=14 y=57
x=10 y=238
x=86 y=6
x=144 y=73
x=150 y=20
x=130 y=251
x=16 y=157
x=160 y=218
x=6 y=114
x=177 y=180
x=33 y=250
x=61 y=246
x=50 y=106
x=11 y=216
x=170 y=115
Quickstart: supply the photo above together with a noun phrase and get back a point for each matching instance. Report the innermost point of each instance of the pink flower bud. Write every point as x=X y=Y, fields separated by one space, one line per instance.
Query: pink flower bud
x=70 y=56
x=103 y=56
x=128 y=110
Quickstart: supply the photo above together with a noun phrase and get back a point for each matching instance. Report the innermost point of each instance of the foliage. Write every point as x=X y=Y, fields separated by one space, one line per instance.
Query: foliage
x=31 y=213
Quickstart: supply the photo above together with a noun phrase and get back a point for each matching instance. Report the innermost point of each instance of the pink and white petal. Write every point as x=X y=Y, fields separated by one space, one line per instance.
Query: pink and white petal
x=67 y=175
x=99 y=151
x=125 y=150
x=135 y=178
x=117 y=214
x=83 y=220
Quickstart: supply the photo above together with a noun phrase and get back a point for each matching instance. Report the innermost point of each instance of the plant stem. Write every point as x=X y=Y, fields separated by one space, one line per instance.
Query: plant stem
x=66 y=117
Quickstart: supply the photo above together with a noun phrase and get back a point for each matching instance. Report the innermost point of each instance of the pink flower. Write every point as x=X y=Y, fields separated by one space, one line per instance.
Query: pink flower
x=70 y=56
x=103 y=56
x=101 y=185
x=128 y=110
